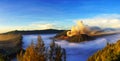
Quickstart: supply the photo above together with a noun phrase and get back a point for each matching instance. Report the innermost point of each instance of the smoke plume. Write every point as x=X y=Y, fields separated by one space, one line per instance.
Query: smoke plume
x=81 y=28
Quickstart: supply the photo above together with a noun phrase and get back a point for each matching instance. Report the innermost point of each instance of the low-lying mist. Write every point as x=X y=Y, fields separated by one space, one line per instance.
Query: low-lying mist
x=83 y=50
x=75 y=51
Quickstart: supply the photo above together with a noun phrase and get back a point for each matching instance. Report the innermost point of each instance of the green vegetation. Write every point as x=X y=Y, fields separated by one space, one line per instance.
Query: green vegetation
x=110 y=53
x=40 y=52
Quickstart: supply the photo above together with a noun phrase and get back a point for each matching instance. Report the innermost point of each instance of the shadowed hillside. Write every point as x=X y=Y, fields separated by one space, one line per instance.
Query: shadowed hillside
x=10 y=44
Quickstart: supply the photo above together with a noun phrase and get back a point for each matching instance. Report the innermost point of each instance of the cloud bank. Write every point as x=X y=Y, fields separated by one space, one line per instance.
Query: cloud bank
x=103 y=21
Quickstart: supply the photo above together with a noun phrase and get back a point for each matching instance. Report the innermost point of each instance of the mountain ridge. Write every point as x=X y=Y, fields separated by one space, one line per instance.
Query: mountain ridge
x=27 y=32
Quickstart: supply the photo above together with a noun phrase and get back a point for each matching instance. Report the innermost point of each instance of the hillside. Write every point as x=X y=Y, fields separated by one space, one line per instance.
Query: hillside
x=10 y=45
x=7 y=37
x=110 y=53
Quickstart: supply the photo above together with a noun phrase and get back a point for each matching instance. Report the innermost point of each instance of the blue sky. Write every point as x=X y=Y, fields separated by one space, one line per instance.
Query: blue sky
x=58 y=14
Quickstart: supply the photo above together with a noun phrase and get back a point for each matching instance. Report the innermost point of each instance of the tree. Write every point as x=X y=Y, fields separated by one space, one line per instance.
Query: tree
x=56 y=52
x=39 y=52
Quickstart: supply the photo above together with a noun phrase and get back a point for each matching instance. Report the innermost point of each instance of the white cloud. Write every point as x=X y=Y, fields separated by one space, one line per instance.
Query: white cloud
x=6 y=29
x=43 y=26
x=104 y=21
x=36 y=27
x=28 y=27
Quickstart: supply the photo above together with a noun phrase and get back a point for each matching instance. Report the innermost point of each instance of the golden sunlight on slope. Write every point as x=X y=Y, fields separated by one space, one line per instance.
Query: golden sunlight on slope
x=7 y=37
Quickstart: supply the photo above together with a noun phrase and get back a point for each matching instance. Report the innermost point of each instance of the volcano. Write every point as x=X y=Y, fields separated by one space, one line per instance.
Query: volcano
x=81 y=32
x=78 y=33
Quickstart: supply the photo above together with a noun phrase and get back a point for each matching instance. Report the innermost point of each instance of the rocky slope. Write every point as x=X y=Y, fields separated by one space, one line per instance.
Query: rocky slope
x=75 y=38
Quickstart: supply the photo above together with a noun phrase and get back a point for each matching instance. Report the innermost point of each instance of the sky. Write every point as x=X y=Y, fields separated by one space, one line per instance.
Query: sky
x=57 y=14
